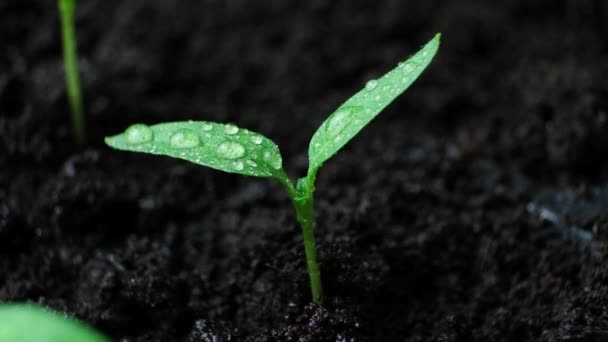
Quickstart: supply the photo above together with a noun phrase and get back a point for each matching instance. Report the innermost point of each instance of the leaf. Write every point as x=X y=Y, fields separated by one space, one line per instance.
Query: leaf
x=223 y=147
x=343 y=124
x=29 y=323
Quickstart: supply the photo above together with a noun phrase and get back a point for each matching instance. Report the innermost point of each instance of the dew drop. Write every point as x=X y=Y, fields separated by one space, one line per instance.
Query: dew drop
x=184 y=138
x=371 y=85
x=207 y=126
x=341 y=118
x=275 y=161
x=256 y=139
x=408 y=67
x=405 y=79
x=251 y=163
x=231 y=129
x=230 y=150
x=138 y=134
x=238 y=165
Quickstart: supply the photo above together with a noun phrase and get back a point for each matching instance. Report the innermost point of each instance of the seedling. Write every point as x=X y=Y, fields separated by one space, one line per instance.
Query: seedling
x=228 y=148
x=30 y=323
x=70 y=61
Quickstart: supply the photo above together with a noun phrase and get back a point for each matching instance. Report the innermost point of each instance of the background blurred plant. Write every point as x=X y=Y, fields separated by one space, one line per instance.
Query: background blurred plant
x=70 y=62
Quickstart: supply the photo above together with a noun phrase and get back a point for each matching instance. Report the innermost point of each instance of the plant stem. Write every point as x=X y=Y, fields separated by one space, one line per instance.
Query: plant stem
x=302 y=198
x=306 y=215
x=70 y=61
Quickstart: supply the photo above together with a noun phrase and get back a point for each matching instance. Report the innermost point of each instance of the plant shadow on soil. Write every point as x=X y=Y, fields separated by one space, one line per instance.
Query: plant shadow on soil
x=473 y=209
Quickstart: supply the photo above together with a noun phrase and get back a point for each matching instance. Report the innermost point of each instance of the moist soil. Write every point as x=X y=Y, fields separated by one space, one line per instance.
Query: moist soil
x=473 y=209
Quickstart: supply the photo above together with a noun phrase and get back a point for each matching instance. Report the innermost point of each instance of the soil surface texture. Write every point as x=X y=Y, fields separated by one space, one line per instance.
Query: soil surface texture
x=475 y=208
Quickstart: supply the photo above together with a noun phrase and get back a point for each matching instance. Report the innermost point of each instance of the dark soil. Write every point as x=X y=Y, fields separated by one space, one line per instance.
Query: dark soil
x=473 y=209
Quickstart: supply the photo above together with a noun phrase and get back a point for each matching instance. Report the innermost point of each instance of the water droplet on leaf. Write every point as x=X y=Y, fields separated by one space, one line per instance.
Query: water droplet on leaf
x=251 y=163
x=371 y=85
x=138 y=134
x=207 y=126
x=184 y=138
x=275 y=161
x=230 y=150
x=256 y=139
x=231 y=129
x=340 y=119
x=238 y=165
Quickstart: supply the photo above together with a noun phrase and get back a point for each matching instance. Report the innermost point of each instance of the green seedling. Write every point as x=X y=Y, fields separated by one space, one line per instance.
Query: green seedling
x=70 y=61
x=232 y=149
x=30 y=323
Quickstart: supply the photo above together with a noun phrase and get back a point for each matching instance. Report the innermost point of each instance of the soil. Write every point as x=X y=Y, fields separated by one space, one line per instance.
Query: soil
x=472 y=209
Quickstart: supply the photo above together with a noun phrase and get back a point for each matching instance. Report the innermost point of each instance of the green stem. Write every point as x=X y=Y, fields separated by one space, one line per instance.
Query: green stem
x=302 y=197
x=306 y=215
x=70 y=60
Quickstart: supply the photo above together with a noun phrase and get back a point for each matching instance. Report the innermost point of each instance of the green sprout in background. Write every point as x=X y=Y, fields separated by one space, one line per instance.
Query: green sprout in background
x=70 y=61
x=30 y=323
x=232 y=149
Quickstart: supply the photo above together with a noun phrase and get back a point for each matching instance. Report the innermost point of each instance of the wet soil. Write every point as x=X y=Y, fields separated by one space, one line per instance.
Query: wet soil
x=473 y=209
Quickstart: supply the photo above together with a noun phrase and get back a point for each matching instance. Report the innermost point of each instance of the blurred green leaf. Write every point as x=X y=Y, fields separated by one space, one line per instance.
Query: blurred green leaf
x=30 y=323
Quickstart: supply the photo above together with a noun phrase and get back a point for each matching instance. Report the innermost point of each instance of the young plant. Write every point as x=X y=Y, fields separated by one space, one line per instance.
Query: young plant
x=30 y=323
x=70 y=61
x=228 y=148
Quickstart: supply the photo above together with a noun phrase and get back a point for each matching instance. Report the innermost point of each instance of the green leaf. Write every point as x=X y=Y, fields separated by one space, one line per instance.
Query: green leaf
x=29 y=323
x=342 y=125
x=224 y=147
